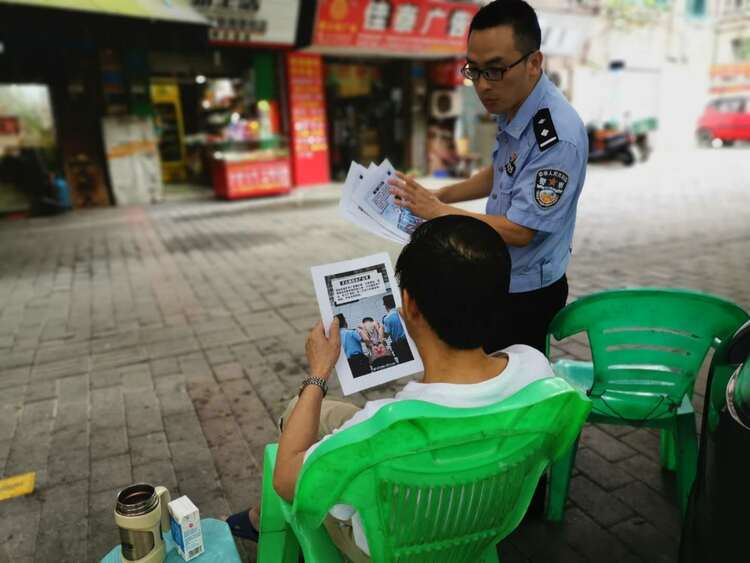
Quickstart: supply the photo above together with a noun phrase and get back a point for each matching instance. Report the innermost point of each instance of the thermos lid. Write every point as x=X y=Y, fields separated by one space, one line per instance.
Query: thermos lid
x=137 y=500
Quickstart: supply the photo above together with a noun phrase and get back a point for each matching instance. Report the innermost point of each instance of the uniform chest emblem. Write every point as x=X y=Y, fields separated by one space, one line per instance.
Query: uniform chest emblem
x=510 y=166
x=549 y=187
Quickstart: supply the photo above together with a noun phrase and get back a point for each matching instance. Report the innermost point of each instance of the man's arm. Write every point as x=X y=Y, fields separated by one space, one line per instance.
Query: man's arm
x=301 y=428
x=300 y=432
x=476 y=187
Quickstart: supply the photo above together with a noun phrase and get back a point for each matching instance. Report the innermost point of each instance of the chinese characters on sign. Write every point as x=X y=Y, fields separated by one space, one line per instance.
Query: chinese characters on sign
x=394 y=25
x=358 y=286
x=307 y=109
x=250 y=178
x=251 y=21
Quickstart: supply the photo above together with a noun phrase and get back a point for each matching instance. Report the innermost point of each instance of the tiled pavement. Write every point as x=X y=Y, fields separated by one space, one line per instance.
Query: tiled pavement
x=161 y=343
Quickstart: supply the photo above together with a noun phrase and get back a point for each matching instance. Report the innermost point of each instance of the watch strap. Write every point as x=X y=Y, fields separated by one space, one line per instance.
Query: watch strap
x=320 y=382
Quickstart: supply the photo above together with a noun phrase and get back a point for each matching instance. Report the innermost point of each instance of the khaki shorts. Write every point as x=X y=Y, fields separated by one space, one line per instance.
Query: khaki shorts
x=334 y=413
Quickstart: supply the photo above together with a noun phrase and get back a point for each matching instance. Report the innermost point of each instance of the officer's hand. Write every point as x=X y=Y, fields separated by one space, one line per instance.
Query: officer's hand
x=322 y=351
x=418 y=199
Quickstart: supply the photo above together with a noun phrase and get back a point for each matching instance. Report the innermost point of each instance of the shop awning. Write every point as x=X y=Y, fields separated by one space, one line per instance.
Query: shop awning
x=165 y=10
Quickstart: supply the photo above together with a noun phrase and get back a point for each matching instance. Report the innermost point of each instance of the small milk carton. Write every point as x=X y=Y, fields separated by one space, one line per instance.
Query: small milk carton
x=185 y=522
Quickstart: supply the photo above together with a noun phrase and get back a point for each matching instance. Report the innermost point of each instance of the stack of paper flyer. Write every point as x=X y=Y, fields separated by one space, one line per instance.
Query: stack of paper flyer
x=375 y=344
x=367 y=202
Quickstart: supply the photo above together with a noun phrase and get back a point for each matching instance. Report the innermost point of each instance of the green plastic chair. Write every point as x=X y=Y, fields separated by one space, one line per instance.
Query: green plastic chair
x=647 y=346
x=431 y=483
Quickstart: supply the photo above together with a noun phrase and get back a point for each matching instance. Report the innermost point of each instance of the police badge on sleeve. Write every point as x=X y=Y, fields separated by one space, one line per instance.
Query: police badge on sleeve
x=549 y=187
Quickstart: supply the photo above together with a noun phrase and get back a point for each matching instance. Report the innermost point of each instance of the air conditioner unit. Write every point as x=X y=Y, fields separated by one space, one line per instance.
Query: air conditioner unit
x=445 y=104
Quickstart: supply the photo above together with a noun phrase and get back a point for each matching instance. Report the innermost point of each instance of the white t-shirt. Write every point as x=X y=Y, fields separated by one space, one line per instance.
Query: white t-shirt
x=525 y=365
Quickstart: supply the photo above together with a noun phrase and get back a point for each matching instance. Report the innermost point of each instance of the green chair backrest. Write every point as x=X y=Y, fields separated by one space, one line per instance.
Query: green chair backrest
x=433 y=483
x=648 y=341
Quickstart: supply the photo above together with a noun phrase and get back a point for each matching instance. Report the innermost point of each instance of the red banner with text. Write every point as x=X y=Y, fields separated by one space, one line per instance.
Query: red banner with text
x=308 y=112
x=419 y=26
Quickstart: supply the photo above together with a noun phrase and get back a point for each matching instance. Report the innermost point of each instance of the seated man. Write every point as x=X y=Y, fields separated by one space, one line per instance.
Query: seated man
x=454 y=275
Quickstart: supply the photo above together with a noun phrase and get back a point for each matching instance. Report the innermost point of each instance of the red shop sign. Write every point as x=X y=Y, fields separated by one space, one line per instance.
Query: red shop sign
x=308 y=117
x=423 y=26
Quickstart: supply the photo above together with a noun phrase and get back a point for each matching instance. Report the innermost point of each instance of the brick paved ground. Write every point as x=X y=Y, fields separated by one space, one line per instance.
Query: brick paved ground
x=161 y=343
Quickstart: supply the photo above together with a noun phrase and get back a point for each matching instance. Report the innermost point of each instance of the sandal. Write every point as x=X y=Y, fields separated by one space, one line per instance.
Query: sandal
x=241 y=526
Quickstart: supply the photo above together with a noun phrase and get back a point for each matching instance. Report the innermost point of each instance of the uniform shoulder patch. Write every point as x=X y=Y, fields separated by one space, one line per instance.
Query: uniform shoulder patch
x=544 y=129
x=549 y=187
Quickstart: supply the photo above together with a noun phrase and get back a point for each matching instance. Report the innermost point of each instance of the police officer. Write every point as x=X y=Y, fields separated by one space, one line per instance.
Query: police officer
x=538 y=169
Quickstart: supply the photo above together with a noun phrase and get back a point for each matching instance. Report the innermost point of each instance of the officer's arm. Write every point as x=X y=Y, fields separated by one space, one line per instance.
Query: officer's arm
x=513 y=234
x=476 y=187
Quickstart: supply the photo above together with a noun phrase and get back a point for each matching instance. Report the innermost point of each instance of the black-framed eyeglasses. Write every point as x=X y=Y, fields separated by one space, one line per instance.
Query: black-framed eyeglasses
x=493 y=73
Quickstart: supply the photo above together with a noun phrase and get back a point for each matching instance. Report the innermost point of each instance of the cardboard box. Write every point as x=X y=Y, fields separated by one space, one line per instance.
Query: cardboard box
x=185 y=522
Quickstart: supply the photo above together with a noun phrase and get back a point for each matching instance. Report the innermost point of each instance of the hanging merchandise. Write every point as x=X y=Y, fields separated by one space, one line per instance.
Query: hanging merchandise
x=113 y=83
x=352 y=80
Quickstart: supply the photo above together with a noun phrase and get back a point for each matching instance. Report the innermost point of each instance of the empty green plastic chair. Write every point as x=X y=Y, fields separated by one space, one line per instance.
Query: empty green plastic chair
x=647 y=346
x=431 y=483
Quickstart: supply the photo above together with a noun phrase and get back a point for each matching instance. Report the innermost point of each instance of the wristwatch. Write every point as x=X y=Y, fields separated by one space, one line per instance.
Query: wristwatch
x=314 y=381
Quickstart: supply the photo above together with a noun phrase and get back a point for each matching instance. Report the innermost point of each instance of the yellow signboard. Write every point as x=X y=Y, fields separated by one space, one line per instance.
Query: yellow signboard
x=175 y=10
x=17 y=486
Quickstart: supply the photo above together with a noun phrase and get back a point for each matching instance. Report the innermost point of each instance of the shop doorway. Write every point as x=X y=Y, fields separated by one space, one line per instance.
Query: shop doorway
x=28 y=151
x=219 y=122
x=366 y=112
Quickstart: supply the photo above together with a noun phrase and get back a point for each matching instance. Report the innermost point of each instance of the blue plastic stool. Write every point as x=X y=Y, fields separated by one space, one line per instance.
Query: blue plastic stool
x=217 y=540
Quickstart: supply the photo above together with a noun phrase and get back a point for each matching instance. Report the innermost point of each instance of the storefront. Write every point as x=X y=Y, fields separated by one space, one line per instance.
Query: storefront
x=730 y=69
x=82 y=66
x=28 y=146
x=218 y=115
x=377 y=59
x=222 y=111
x=139 y=102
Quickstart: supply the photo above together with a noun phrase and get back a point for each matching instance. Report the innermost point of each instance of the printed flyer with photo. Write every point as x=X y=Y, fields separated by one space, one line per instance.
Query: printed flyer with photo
x=367 y=201
x=375 y=346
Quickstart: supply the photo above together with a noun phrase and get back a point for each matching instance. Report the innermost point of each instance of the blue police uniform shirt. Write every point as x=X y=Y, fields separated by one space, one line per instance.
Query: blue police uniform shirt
x=539 y=166
x=392 y=325
x=351 y=341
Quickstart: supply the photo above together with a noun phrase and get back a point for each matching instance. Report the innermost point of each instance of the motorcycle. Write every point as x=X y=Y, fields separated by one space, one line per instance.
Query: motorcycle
x=610 y=144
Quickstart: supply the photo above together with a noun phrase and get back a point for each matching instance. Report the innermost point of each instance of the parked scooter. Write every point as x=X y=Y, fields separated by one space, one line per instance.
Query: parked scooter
x=610 y=144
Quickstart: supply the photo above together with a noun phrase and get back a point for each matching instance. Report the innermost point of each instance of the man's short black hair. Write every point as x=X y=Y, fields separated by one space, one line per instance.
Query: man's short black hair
x=389 y=302
x=342 y=320
x=516 y=13
x=457 y=270
x=368 y=319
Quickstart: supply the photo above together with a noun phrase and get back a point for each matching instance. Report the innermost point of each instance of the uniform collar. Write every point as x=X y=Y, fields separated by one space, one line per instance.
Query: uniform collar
x=527 y=109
